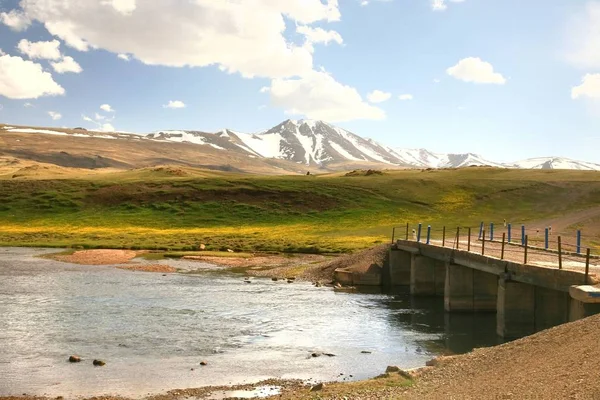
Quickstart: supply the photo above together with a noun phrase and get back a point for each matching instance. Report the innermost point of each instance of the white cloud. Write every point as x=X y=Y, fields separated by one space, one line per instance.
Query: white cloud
x=106 y=108
x=436 y=80
x=2 y=53
x=318 y=35
x=473 y=69
x=99 y=117
x=590 y=87
x=440 y=5
x=107 y=128
x=15 y=20
x=124 y=7
x=319 y=96
x=124 y=57
x=54 y=115
x=246 y=37
x=405 y=97
x=87 y=119
x=23 y=79
x=175 y=104
x=28 y=105
x=44 y=50
x=377 y=96
x=584 y=37
x=67 y=64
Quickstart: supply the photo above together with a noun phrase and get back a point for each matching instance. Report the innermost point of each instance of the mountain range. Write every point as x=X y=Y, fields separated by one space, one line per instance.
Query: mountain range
x=301 y=144
x=317 y=143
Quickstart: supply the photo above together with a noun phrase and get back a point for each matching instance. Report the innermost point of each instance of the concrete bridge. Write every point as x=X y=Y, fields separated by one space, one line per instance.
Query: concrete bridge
x=525 y=298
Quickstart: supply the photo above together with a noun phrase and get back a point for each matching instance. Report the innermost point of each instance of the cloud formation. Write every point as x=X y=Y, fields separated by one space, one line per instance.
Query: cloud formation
x=106 y=108
x=378 y=96
x=590 y=87
x=67 y=64
x=245 y=37
x=40 y=50
x=405 y=97
x=15 y=20
x=54 y=115
x=175 y=104
x=475 y=70
x=23 y=79
x=317 y=95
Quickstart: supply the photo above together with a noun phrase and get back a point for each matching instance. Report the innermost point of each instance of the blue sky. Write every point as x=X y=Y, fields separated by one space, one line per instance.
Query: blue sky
x=508 y=79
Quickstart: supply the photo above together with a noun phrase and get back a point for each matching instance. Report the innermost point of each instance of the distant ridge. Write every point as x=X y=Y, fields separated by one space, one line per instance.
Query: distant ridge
x=318 y=144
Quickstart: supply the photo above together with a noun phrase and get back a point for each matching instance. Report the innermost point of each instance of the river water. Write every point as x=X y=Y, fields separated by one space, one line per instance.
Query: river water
x=152 y=330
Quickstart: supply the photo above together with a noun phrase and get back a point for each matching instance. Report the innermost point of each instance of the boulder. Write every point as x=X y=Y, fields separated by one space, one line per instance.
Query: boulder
x=74 y=359
x=230 y=251
x=202 y=246
x=203 y=363
x=317 y=387
x=392 y=368
x=365 y=352
x=98 y=363
x=274 y=279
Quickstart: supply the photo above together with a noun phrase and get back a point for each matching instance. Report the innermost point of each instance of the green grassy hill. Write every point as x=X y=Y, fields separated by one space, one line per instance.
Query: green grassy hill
x=162 y=209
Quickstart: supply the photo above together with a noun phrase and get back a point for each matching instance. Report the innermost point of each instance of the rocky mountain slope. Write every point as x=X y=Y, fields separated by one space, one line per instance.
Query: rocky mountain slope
x=310 y=144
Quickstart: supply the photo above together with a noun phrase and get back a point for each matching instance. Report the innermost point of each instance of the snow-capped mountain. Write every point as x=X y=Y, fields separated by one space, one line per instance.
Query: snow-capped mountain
x=554 y=163
x=317 y=143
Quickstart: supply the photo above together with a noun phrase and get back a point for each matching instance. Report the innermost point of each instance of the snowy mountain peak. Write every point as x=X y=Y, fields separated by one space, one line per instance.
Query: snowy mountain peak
x=318 y=143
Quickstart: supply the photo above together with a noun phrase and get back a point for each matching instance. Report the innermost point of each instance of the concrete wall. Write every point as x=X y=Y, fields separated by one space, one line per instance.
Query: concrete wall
x=397 y=271
x=427 y=276
x=467 y=289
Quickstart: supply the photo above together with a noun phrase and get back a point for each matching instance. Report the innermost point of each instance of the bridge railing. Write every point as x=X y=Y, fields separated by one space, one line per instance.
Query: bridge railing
x=526 y=244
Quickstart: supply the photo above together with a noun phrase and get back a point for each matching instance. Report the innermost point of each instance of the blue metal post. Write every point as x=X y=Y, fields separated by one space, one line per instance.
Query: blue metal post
x=578 y=242
x=428 y=233
x=546 y=239
x=419 y=233
x=480 y=230
x=491 y=231
x=509 y=232
x=522 y=235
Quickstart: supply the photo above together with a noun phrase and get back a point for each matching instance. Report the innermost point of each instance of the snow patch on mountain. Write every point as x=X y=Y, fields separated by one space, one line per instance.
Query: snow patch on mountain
x=555 y=163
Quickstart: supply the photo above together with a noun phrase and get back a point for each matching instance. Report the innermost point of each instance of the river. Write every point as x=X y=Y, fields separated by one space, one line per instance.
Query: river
x=153 y=330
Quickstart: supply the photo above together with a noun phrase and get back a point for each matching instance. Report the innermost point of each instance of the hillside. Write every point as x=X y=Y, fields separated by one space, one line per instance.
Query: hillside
x=180 y=207
x=290 y=147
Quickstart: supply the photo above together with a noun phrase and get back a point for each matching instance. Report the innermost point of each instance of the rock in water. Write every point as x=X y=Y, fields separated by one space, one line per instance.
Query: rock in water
x=274 y=279
x=317 y=387
x=203 y=363
x=392 y=368
x=74 y=359
x=99 y=363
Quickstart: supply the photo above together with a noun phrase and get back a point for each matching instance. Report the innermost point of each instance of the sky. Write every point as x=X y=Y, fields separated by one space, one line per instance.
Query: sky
x=506 y=79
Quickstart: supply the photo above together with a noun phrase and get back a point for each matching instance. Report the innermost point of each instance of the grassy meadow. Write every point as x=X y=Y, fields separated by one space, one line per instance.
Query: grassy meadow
x=332 y=213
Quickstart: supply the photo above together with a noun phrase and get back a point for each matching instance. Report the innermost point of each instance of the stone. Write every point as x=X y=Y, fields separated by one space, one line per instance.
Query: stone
x=248 y=281
x=329 y=354
x=203 y=363
x=392 y=368
x=315 y=355
x=74 y=359
x=365 y=352
x=230 y=251
x=291 y=278
x=98 y=363
x=290 y=281
x=432 y=363
x=317 y=387
x=202 y=246
x=274 y=279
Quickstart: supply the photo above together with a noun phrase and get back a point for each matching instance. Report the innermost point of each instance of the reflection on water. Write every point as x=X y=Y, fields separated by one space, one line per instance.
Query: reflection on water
x=153 y=330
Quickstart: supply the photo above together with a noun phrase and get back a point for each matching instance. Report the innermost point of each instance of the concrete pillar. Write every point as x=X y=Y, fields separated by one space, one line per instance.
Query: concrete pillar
x=579 y=310
x=458 y=295
x=515 y=315
x=427 y=276
x=397 y=270
x=551 y=308
x=485 y=291
x=469 y=289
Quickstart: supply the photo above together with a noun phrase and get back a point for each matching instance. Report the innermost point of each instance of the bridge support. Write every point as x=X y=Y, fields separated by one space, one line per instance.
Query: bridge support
x=467 y=289
x=579 y=309
x=551 y=308
x=397 y=270
x=427 y=276
x=516 y=309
